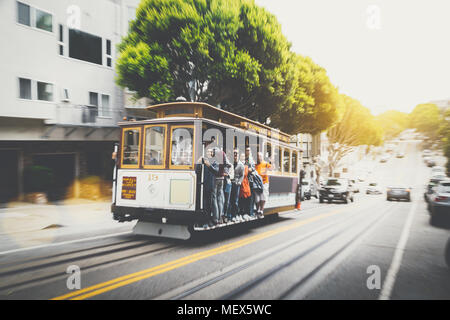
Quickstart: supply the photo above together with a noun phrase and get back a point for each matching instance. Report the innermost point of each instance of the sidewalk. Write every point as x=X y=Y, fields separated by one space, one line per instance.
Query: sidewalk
x=24 y=224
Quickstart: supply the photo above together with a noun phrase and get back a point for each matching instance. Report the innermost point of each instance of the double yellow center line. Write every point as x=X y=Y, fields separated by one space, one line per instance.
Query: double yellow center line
x=147 y=273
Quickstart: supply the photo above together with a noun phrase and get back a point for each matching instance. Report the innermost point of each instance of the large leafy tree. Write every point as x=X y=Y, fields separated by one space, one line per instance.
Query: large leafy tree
x=427 y=119
x=357 y=127
x=229 y=53
x=315 y=105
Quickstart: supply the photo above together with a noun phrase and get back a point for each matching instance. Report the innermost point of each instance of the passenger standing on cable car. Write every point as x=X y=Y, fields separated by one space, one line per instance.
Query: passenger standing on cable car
x=209 y=181
x=245 y=194
x=227 y=185
x=218 y=195
x=233 y=206
x=250 y=163
x=262 y=168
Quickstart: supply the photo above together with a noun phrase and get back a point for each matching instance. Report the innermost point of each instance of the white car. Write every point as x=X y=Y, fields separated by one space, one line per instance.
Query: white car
x=437 y=170
x=373 y=188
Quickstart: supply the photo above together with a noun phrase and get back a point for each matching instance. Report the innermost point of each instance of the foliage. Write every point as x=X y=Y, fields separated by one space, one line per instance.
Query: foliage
x=229 y=53
x=426 y=118
x=38 y=179
x=316 y=103
x=357 y=127
x=393 y=123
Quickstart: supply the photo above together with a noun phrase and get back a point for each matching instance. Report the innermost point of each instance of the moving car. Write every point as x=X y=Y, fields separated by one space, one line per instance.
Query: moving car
x=439 y=203
x=336 y=189
x=384 y=158
x=398 y=193
x=354 y=185
x=373 y=188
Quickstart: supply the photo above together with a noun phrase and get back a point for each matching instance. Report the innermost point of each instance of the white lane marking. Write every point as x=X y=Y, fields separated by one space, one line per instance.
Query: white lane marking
x=391 y=275
x=65 y=242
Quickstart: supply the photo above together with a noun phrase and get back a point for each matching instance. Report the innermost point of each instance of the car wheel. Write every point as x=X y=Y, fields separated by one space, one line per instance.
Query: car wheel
x=321 y=200
x=388 y=199
x=329 y=200
x=308 y=198
x=352 y=199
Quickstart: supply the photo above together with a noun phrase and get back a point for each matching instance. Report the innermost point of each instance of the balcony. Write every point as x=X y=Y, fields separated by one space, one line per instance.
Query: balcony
x=84 y=116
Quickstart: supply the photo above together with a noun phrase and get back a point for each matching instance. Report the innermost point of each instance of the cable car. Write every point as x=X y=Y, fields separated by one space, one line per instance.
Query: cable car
x=158 y=178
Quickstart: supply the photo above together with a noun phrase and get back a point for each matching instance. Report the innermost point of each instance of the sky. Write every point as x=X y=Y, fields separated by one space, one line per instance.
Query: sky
x=388 y=54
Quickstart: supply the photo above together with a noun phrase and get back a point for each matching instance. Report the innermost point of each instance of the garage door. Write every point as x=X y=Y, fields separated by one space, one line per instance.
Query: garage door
x=63 y=167
x=9 y=178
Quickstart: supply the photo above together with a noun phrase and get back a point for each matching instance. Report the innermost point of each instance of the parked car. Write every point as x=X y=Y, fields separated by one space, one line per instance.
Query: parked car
x=439 y=203
x=400 y=155
x=438 y=170
x=398 y=193
x=426 y=153
x=373 y=188
x=430 y=162
x=306 y=189
x=336 y=189
x=434 y=181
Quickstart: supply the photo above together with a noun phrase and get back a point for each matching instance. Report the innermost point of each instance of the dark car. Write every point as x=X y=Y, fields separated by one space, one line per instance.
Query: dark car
x=398 y=193
x=336 y=189
x=439 y=203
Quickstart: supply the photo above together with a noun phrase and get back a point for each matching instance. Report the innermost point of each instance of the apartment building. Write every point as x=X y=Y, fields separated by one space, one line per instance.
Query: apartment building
x=59 y=102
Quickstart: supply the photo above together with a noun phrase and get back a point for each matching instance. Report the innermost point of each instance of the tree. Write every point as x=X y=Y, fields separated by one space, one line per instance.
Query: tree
x=393 y=123
x=316 y=103
x=229 y=53
x=357 y=127
x=427 y=119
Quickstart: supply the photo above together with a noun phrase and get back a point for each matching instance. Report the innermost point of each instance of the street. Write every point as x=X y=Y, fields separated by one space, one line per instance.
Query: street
x=324 y=251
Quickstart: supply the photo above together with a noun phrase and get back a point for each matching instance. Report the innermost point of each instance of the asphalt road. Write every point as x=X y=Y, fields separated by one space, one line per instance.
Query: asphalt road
x=369 y=249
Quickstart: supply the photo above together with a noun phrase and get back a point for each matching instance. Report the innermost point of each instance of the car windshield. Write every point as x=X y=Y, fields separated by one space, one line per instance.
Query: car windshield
x=334 y=182
x=373 y=184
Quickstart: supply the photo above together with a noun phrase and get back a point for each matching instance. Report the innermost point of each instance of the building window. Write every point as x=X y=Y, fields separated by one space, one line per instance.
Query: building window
x=93 y=99
x=105 y=111
x=61 y=40
x=25 y=88
x=44 y=20
x=34 y=17
x=84 y=46
x=23 y=13
x=108 y=53
x=45 y=91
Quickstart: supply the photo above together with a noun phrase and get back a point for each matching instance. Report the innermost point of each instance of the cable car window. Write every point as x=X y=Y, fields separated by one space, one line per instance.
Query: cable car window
x=294 y=162
x=268 y=154
x=131 y=146
x=154 y=153
x=276 y=159
x=181 y=146
x=286 y=160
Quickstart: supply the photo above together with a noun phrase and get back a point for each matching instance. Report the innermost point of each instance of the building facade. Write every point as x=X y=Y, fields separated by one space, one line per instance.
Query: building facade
x=59 y=102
